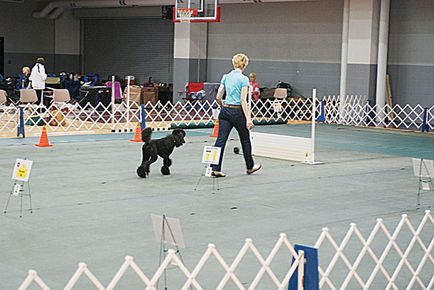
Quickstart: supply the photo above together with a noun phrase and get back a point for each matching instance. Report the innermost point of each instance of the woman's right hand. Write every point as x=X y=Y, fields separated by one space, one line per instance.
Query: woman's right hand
x=249 y=124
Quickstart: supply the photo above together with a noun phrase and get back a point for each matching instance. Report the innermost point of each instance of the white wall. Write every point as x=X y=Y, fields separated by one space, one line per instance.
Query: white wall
x=118 y=12
x=363 y=31
x=22 y=32
x=292 y=31
x=295 y=42
x=67 y=34
x=25 y=37
x=412 y=32
x=411 y=52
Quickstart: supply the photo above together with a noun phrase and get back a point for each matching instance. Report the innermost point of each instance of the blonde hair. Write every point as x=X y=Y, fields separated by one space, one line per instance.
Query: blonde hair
x=252 y=75
x=240 y=60
x=25 y=70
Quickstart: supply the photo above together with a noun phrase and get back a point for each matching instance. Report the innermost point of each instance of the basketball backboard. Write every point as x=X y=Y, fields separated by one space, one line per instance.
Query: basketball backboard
x=196 y=11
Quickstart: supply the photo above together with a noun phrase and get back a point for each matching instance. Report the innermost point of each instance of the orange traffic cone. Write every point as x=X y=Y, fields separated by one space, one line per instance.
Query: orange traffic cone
x=215 y=131
x=138 y=134
x=43 y=141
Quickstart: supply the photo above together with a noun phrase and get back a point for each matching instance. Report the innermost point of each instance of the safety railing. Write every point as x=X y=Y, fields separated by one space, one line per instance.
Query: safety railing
x=430 y=118
x=341 y=110
x=386 y=259
x=356 y=111
x=9 y=118
x=293 y=109
x=191 y=279
x=348 y=110
x=61 y=117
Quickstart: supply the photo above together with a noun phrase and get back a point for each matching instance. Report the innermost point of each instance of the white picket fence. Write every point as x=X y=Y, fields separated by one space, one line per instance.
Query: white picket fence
x=390 y=254
x=356 y=111
x=350 y=110
x=345 y=270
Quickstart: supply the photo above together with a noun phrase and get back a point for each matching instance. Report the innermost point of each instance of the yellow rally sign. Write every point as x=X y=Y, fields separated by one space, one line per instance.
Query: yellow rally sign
x=211 y=155
x=22 y=170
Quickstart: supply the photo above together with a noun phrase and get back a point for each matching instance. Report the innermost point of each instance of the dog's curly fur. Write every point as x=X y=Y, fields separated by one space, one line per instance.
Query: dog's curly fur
x=159 y=147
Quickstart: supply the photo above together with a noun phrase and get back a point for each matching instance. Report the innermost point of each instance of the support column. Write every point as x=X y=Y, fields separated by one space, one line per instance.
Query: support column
x=344 y=52
x=362 y=47
x=189 y=55
x=380 y=99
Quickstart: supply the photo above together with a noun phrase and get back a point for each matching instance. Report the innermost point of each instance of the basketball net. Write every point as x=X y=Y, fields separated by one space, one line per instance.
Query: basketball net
x=185 y=14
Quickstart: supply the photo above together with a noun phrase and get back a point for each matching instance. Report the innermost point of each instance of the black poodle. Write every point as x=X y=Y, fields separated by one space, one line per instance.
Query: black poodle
x=163 y=147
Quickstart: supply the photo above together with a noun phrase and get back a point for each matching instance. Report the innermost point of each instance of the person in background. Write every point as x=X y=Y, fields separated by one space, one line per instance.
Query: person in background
x=38 y=77
x=254 y=87
x=23 y=81
x=235 y=112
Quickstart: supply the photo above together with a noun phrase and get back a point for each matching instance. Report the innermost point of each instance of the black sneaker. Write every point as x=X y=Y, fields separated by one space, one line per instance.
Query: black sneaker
x=255 y=168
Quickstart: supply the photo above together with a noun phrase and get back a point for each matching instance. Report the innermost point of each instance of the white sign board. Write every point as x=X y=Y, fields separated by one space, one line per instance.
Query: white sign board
x=17 y=189
x=423 y=168
x=170 y=233
x=277 y=106
x=211 y=155
x=22 y=170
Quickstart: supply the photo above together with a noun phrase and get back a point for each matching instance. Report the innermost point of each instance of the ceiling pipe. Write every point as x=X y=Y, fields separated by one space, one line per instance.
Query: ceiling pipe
x=50 y=8
x=56 y=13
x=55 y=9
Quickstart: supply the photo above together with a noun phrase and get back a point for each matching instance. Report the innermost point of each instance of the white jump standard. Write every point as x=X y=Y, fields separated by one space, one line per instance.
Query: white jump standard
x=287 y=147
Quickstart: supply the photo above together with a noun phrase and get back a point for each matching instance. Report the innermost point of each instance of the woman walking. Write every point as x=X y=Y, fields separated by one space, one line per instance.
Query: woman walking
x=235 y=112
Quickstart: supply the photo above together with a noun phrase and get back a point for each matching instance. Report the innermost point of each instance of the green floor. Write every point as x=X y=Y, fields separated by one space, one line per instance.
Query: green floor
x=89 y=206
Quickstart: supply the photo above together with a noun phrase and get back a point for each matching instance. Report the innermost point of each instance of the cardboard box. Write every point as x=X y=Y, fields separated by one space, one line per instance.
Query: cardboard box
x=150 y=89
x=149 y=97
x=135 y=92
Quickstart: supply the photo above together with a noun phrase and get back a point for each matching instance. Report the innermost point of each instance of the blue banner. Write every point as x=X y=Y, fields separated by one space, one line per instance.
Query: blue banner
x=311 y=274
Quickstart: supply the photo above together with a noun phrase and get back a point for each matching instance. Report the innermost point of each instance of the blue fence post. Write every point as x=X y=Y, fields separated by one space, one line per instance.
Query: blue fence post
x=143 y=121
x=20 y=128
x=321 y=117
x=425 y=126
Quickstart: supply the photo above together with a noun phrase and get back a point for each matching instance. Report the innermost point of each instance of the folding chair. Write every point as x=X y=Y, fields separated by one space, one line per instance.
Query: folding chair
x=28 y=96
x=3 y=98
x=279 y=94
x=61 y=96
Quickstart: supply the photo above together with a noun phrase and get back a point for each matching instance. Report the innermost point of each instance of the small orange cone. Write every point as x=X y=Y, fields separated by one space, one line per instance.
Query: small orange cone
x=43 y=141
x=215 y=131
x=138 y=134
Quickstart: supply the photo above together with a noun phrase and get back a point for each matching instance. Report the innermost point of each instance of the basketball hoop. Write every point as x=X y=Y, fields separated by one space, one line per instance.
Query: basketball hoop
x=195 y=15
x=184 y=14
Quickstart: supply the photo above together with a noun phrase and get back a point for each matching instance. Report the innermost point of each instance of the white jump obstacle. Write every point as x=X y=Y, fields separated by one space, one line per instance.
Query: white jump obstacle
x=287 y=147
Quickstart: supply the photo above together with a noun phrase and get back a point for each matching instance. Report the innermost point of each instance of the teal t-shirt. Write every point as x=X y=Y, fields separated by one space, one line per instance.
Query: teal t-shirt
x=233 y=83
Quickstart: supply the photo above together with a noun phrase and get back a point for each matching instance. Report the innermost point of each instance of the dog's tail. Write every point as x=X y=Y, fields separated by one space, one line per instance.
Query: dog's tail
x=146 y=135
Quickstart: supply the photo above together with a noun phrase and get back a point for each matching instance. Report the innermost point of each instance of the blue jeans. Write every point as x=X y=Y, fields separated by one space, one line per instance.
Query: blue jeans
x=229 y=118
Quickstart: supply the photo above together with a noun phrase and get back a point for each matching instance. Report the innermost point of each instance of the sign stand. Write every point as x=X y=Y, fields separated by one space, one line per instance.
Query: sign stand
x=424 y=169
x=169 y=233
x=21 y=175
x=210 y=156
